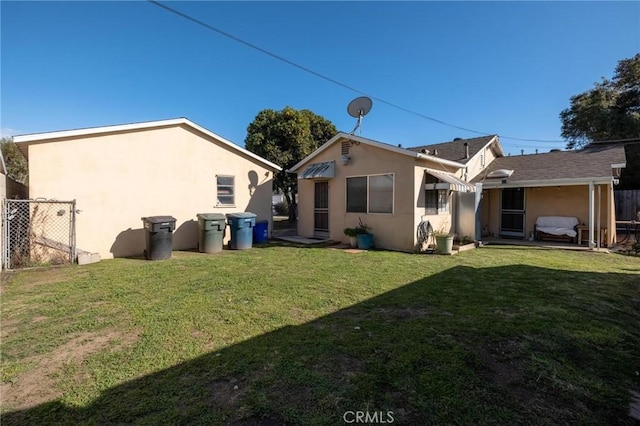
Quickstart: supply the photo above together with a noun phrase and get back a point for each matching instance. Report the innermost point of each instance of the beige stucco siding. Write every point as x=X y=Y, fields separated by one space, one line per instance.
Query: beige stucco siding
x=395 y=231
x=120 y=177
x=439 y=222
x=553 y=201
x=391 y=231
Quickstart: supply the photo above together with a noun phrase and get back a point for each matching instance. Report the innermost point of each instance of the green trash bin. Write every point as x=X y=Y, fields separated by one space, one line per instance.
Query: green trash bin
x=212 y=226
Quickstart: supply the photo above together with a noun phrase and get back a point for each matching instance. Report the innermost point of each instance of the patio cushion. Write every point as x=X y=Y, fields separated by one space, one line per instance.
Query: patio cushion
x=557 y=225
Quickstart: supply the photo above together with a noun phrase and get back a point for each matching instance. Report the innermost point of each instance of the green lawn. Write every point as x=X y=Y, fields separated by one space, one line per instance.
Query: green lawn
x=281 y=335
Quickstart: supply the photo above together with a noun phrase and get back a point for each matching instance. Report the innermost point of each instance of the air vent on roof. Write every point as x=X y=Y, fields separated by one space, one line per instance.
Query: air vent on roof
x=424 y=151
x=555 y=150
x=500 y=173
x=457 y=139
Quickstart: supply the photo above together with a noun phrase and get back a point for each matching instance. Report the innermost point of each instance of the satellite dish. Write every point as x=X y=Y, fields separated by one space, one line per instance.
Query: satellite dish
x=358 y=108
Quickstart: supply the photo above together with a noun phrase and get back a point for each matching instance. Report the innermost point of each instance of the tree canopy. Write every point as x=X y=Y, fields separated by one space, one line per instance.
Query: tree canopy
x=15 y=162
x=610 y=111
x=285 y=137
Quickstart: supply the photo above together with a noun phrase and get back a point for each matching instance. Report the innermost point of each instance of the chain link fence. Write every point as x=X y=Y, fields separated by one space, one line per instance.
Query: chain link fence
x=38 y=233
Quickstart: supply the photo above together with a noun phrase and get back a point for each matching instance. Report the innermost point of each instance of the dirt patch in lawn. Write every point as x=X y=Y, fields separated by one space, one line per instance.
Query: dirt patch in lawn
x=37 y=386
x=41 y=276
x=8 y=327
x=505 y=366
x=340 y=367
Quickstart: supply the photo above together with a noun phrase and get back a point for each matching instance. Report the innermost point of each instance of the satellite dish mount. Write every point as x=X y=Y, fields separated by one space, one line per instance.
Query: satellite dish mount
x=358 y=108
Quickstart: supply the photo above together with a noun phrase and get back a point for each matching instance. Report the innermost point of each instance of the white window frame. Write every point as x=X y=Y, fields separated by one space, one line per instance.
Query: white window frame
x=393 y=193
x=233 y=191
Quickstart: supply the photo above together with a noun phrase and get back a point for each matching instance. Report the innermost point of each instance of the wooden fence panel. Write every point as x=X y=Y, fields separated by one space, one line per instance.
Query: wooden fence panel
x=627 y=203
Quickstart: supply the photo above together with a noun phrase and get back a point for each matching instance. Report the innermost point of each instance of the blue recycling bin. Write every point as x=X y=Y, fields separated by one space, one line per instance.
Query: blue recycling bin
x=241 y=225
x=261 y=232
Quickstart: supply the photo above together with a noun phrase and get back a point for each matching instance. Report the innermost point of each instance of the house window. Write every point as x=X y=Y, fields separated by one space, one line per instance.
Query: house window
x=436 y=201
x=370 y=194
x=225 y=190
x=357 y=194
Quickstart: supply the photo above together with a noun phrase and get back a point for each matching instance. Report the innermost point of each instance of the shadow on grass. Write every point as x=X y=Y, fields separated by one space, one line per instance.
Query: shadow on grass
x=513 y=344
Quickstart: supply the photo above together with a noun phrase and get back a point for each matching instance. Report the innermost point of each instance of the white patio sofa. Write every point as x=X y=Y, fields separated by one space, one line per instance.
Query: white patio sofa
x=556 y=228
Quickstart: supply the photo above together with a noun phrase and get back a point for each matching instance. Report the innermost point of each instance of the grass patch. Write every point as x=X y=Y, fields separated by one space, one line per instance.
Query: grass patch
x=298 y=335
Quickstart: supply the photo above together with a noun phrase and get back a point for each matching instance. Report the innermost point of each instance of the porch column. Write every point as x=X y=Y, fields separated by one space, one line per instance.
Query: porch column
x=591 y=215
x=598 y=232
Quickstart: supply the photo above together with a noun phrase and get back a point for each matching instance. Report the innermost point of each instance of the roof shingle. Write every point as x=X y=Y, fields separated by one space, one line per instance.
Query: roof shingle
x=454 y=150
x=592 y=162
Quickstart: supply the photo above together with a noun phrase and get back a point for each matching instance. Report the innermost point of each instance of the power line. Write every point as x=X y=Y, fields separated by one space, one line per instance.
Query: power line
x=336 y=82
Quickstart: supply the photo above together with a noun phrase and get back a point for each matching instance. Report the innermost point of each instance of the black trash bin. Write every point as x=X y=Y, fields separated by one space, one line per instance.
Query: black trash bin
x=212 y=227
x=159 y=236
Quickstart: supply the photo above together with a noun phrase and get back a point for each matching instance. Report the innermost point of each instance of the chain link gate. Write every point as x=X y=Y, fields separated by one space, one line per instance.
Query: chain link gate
x=38 y=232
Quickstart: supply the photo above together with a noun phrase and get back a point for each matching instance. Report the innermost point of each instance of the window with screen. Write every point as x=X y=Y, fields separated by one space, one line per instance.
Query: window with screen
x=225 y=190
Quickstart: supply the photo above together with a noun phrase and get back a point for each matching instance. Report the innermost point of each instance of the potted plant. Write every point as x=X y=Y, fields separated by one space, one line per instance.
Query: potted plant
x=364 y=237
x=352 y=234
x=444 y=241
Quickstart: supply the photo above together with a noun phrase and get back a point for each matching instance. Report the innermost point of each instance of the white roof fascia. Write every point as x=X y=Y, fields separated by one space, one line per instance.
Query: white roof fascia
x=232 y=145
x=440 y=160
x=497 y=146
x=36 y=137
x=497 y=183
x=619 y=166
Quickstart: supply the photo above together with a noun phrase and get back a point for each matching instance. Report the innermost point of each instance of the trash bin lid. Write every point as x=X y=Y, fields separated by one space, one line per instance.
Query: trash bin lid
x=159 y=219
x=211 y=216
x=241 y=215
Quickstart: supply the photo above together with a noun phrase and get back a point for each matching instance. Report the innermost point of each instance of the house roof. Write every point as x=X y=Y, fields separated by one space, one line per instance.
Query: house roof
x=455 y=150
x=23 y=141
x=371 y=142
x=589 y=164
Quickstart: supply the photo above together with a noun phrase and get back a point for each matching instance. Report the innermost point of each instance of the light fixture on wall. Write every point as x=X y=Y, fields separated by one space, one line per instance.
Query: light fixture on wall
x=345 y=159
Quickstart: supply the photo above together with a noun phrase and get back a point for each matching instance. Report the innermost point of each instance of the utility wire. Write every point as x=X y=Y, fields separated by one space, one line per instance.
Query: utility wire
x=338 y=83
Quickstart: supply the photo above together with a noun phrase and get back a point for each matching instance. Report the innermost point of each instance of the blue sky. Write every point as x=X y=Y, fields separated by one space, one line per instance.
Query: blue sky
x=494 y=67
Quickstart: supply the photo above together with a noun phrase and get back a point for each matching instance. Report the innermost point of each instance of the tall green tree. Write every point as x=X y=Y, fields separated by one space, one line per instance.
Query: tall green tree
x=15 y=162
x=285 y=137
x=609 y=111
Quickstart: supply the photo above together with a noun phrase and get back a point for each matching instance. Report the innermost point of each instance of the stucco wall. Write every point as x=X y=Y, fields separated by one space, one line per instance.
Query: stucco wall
x=553 y=201
x=119 y=178
x=391 y=231
x=439 y=222
x=395 y=231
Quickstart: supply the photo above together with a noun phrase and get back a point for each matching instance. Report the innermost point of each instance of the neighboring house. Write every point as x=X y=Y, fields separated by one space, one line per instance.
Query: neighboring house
x=118 y=174
x=10 y=188
x=394 y=190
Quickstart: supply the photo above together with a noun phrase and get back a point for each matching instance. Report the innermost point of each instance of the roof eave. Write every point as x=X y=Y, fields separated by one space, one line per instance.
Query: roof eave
x=354 y=138
x=439 y=160
x=23 y=141
x=546 y=182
